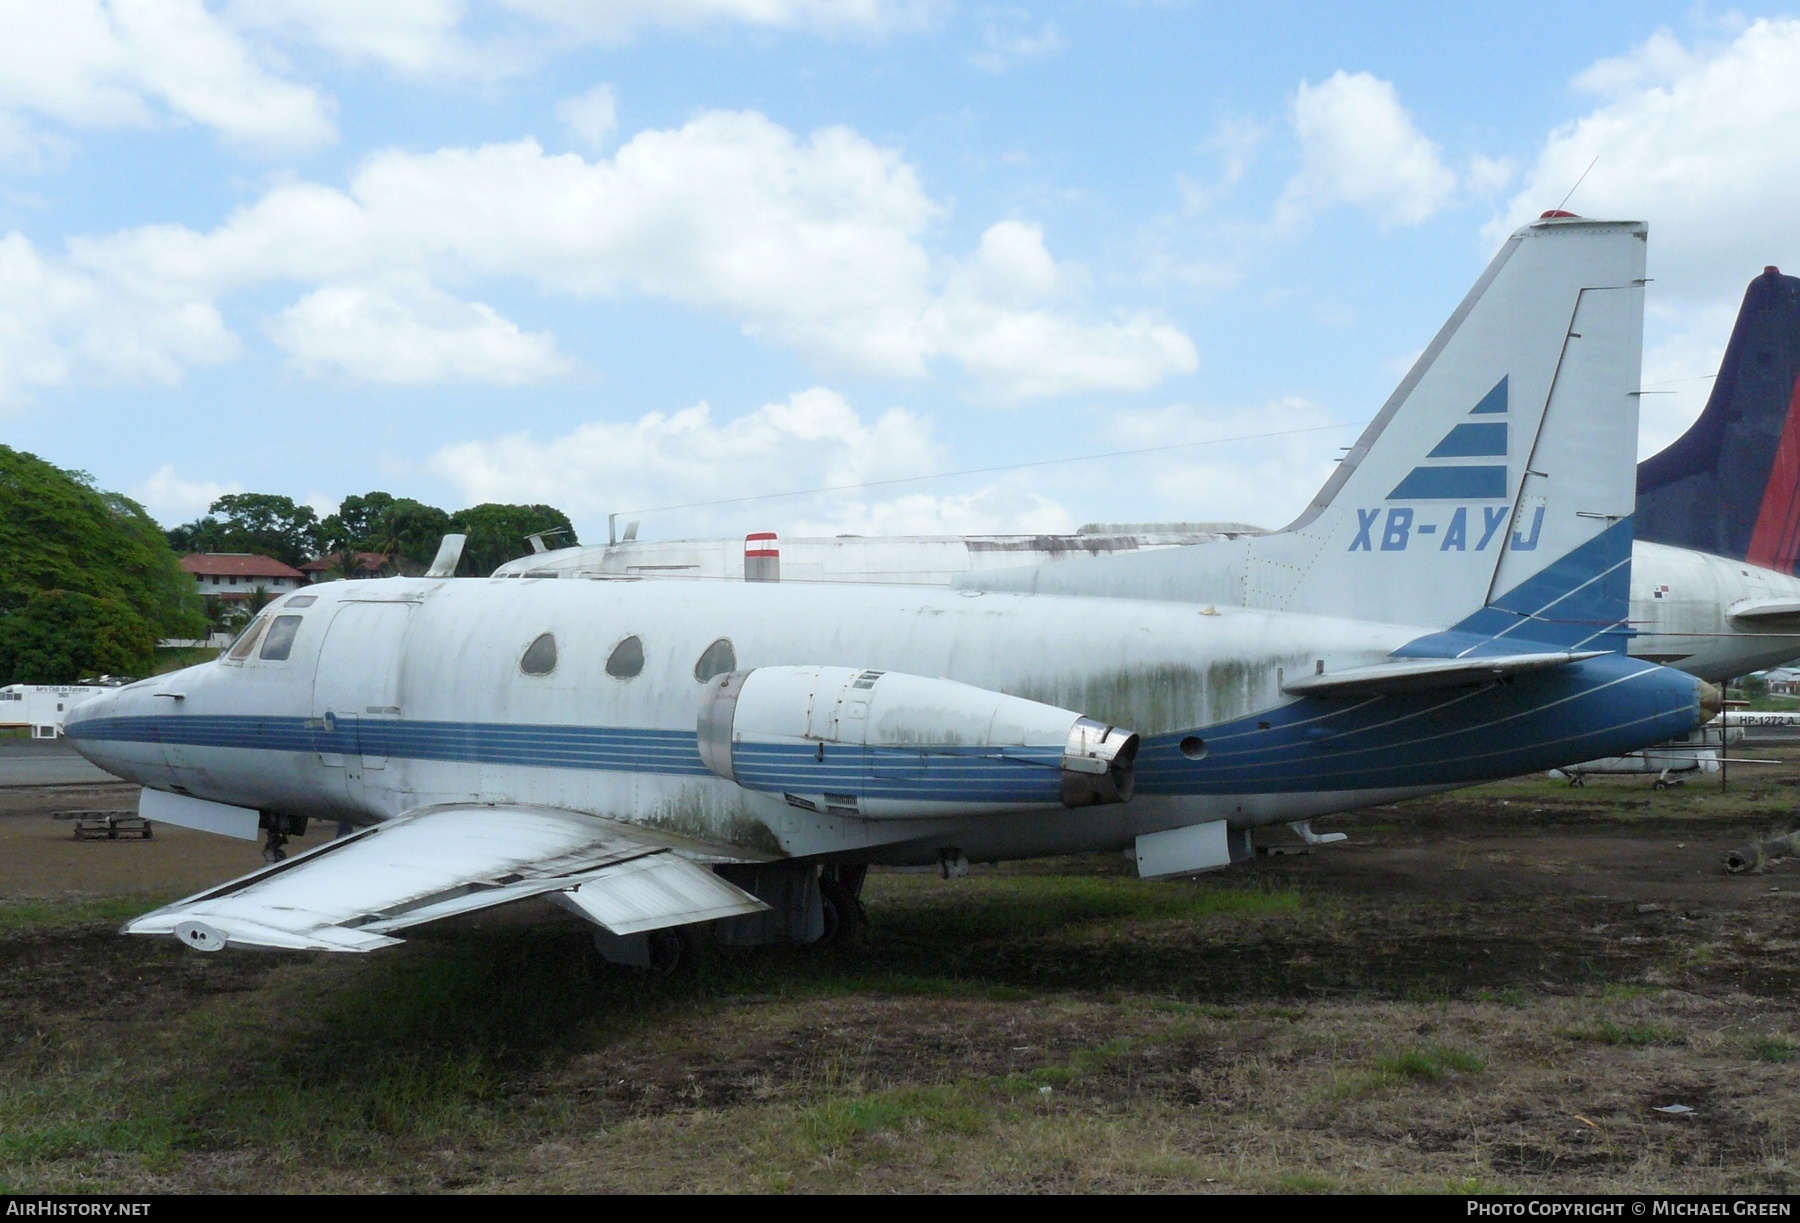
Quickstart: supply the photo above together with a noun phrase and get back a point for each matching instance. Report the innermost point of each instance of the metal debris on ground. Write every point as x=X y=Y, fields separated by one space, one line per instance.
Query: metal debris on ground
x=1759 y=855
x=1674 y=1110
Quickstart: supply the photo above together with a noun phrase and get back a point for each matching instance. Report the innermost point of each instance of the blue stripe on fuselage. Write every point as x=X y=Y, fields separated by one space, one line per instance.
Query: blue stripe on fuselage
x=1599 y=707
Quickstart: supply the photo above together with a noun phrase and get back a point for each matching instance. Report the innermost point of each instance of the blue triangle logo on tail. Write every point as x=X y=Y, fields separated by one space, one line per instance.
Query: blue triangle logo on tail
x=1468 y=440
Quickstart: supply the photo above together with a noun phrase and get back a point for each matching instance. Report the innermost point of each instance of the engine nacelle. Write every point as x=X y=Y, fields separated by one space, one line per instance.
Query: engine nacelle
x=887 y=745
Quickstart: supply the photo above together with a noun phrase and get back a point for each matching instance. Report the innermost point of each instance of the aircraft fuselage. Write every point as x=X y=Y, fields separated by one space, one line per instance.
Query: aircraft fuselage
x=406 y=693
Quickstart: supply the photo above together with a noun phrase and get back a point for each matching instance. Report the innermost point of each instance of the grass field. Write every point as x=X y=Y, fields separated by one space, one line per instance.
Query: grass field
x=1493 y=990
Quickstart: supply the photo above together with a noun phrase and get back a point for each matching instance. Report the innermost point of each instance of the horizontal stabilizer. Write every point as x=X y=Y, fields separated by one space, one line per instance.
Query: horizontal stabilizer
x=1425 y=674
x=1765 y=609
x=353 y=893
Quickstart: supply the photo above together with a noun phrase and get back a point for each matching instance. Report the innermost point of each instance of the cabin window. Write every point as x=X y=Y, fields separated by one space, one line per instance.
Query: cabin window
x=717 y=660
x=627 y=658
x=540 y=656
x=280 y=640
x=246 y=642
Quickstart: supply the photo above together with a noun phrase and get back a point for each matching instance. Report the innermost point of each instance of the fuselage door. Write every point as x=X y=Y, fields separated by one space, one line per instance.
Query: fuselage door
x=356 y=689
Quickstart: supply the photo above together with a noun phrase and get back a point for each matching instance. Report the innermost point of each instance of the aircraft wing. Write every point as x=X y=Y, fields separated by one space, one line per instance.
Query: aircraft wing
x=1765 y=609
x=353 y=893
x=1425 y=674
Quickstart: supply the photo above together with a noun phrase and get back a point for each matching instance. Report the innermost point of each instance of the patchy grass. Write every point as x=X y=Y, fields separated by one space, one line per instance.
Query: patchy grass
x=1430 y=1063
x=1362 y=1019
x=1038 y=905
x=1607 y=1032
x=18 y=916
x=1774 y=1050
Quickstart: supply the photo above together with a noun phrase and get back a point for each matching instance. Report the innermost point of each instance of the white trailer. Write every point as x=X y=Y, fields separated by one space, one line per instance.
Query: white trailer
x=41 y=706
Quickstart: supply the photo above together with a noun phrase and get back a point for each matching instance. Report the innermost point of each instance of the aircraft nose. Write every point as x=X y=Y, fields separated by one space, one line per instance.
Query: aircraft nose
x=99 y=705
x=95 y=728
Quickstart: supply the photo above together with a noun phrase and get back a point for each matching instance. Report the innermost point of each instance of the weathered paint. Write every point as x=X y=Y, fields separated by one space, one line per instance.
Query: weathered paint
x=470 y=722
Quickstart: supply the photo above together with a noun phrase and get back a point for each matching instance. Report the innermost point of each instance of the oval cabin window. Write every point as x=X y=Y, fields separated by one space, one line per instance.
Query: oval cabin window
x=540 y=656
x=718 y=659
x=627 y=658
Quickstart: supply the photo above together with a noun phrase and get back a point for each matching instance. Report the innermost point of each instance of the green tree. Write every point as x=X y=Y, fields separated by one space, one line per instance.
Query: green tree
x=60 y=636
x=357 y=524
x=60 y=533
x=266 y=524
x=397 y=527
x=497 y=533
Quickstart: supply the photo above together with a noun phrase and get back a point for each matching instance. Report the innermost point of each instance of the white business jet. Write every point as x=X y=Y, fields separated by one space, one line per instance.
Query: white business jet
x=661 y=757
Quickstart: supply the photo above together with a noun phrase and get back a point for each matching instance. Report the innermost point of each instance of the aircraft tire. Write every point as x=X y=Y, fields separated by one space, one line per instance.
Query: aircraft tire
x=845 y=917
x=672 y=950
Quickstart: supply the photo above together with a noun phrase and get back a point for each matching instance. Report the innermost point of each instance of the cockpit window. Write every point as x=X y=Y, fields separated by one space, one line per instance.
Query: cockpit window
x=717 y=660
x=280 y=640
x=246 y=642
x=627 y=658
x=301 y=601
x=540 y=656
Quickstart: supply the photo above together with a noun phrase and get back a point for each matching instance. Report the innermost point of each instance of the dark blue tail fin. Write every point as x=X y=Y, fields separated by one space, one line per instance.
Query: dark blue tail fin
x=1730 y=485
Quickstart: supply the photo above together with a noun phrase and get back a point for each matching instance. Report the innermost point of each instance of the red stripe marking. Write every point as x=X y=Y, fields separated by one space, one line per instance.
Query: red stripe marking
x=749 y=552
x=1776 y=539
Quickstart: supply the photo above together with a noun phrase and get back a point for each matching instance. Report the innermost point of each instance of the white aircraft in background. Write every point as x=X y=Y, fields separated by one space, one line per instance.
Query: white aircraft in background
x=1717 y=531
x=655 y=755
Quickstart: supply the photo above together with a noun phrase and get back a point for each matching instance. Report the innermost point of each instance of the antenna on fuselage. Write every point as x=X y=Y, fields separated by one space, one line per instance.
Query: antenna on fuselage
x=536 y=539
x=450 y=551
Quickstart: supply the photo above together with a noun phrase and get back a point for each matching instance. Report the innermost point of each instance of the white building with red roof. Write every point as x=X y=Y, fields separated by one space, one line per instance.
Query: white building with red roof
x=233 y=575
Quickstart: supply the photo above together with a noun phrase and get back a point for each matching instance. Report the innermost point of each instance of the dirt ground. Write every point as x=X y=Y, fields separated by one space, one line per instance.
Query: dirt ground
x=1491 y=990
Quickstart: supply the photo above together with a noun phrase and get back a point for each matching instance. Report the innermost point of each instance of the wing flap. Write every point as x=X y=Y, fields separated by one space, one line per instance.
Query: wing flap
x=353 y=893
x=1426 y=674
x=656 y=891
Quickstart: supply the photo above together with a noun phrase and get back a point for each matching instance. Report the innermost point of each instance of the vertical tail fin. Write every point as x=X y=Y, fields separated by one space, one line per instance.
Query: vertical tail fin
x=1493 y=492
x=1730 y=485
x=1491 y=496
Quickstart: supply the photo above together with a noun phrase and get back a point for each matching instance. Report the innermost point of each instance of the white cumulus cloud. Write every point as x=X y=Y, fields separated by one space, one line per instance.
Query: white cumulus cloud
x=815 y=243
x=1263 y=480
x=1010 y=36
x=57 y=318
x=409 y=36
x=134 y=63
x=814 y=438
x=616 y=20
x=1702 y=144
x=1360 y=146
x=171 y=498
x=592 y=117
x=991 y=318
x=411 y=337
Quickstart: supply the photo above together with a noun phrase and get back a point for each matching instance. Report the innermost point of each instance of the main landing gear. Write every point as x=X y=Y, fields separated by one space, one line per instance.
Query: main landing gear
x=279 y=827
x=840 y=903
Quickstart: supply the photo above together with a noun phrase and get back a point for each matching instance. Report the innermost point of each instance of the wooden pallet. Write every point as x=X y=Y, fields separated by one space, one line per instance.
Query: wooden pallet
x=106 y=825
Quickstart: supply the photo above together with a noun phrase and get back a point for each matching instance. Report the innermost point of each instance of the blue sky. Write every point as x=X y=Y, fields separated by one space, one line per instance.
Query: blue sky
x=624 y=255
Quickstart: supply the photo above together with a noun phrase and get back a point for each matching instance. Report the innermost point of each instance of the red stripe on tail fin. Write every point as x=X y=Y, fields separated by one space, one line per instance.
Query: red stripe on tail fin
x=1776 y=540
